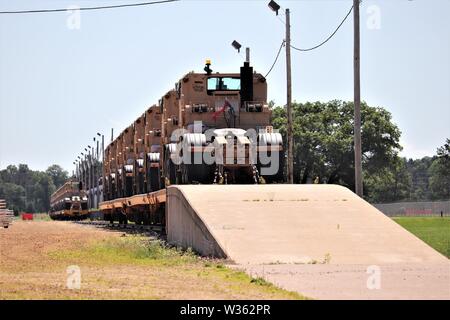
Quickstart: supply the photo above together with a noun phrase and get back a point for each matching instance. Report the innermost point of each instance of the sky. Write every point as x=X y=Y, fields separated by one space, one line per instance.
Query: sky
x=63 y=79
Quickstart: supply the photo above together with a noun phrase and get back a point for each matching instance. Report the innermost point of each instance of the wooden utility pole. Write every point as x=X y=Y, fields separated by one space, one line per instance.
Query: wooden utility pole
x=290 y=158
x=357 y=100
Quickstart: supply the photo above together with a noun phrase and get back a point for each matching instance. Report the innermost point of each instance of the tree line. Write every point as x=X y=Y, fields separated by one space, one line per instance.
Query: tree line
x=27 y=190
x=323 y=153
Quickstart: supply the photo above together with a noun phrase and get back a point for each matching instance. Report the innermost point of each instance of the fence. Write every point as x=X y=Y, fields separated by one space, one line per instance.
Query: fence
x=423 y=209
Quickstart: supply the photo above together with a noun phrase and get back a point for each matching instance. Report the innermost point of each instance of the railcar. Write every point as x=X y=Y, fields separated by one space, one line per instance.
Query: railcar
x=211 y=128
x=69 y=202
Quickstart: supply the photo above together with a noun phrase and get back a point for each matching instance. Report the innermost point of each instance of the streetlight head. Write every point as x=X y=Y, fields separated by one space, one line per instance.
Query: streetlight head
x=274 y=6
x=236 y=45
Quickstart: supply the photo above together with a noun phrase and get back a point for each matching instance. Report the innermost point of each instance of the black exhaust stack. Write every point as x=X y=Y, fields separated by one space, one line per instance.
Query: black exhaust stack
x=246 y=83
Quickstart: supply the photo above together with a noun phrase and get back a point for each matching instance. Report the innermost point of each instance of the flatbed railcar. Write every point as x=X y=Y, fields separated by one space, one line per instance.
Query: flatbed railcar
x=69 y=202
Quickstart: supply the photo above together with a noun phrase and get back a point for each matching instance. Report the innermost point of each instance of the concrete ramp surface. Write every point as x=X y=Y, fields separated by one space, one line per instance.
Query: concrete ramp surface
x=295 y=224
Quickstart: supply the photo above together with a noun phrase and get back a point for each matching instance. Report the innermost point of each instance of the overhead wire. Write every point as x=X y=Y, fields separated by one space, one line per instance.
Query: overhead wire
x=327 y=39
x=140 y=4
x=276 y=59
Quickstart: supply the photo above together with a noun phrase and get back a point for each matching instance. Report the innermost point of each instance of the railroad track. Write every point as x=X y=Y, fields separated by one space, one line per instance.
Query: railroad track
x=152 y=229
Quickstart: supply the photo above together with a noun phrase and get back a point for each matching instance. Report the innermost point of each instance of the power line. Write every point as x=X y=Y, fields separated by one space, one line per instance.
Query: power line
x=276 y=59
x=90 y=8
x=327 y=39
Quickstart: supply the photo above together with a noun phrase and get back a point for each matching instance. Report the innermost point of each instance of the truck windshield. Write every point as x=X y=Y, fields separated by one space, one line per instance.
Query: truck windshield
x=224 y=84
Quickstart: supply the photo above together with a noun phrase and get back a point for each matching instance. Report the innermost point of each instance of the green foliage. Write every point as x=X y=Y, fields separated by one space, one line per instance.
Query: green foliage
x=390 y=183
x=323 y=135
x=28 y=190
x=57 y=174
x=419 y=171
x=323 y=152
x=440 y=173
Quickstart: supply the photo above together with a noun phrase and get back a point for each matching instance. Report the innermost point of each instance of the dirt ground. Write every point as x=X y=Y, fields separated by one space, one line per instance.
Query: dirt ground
x=349 y=282
x=34 y=257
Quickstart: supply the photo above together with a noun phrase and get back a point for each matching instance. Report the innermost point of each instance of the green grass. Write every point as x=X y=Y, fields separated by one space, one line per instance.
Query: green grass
x=435 y=231
x=41 y=217
x=129 y=250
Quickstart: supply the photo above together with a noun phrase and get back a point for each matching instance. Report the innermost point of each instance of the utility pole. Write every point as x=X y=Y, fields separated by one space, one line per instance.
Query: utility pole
x=290 y=164
x=357 y=100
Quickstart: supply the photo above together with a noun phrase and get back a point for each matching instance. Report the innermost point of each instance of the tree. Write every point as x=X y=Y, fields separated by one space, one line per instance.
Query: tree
x=14 y=195
x=419 y=171
x=323 y=140
x=389 y=184
x=28 y=190
x=43 y=188
x=440 y=173
x=57 y=174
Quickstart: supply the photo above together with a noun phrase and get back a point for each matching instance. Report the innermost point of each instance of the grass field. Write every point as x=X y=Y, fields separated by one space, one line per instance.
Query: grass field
x=35 y=256
x=154 y=255
x=435 y=231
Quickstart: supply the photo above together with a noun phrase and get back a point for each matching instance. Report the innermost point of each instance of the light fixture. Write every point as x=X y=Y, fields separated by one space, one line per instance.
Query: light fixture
x=236 y=45
x=274 y=6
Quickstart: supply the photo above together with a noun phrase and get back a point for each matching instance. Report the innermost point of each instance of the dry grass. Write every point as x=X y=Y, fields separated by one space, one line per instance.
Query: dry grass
x=35 y=255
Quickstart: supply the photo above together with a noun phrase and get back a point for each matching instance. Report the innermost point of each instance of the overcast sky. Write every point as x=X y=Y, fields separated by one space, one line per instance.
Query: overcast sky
x=60 y=84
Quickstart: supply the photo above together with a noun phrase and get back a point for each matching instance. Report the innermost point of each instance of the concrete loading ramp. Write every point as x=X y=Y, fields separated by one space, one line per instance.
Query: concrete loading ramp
x=296 y=224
